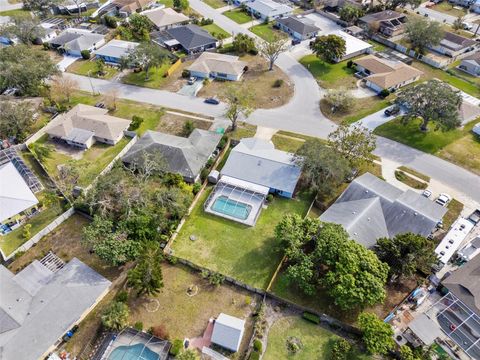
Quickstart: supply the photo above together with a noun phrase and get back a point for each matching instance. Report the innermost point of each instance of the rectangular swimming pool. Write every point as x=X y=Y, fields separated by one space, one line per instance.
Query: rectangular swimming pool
x=226 y=206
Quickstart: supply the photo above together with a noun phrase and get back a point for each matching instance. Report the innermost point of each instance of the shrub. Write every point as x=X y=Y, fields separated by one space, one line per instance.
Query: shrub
x=185 y=74
x=206 y=21
x=122 y=296
x=311 y=317
x=171 y=179
x=254 y=356
x=253 y=51
x=213 y=278
x=204 y=174
x=223 y=142
x=278 y=83
x=188 y=127
x=172 y=259
x=196 y=188
x=209 y=163
x=136 y=122
x=177 y=346
x=26 y=231
x=349 y=63
x=160 y=332
x=384 y=93
x=340 y=349
x=115 y=316
x=110 y=22
x=270 y=197
x=205 y=81
x=85 y=54
x=138 y=326
x=248 y=300
x=257 y=345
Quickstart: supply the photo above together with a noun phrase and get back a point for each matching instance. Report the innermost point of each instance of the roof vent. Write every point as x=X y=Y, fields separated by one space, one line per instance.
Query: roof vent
x=353 y=212
x=259 y=163
x=415 y=213
x=368 y=219
x=355 y=233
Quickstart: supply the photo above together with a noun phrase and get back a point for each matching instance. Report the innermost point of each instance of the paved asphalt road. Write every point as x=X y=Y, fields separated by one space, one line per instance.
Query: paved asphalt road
x=5 y=5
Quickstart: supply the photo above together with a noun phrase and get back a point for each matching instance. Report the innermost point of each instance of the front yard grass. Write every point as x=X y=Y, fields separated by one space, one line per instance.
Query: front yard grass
x=330 y=76
x=459 y=146
x=249 y=254
x=89 y=68
x=216 y=4
x=238 y=15
x=286 y=143
x=267 y=32
x=156 y=77
x=216 y=31
x=414 y=173
x=316 y=342
x=447 y=8
x=361 y=107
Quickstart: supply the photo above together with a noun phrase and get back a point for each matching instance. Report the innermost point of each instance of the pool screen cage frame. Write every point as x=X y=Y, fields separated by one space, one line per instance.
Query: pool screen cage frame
x=154 y=344
x=11 y=155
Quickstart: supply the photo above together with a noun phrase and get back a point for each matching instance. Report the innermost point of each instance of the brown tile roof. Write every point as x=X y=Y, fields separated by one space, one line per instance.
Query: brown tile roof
x=131 y=5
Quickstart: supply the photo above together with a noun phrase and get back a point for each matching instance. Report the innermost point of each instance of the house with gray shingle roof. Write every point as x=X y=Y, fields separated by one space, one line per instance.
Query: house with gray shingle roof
x=115 y=50
x=453 y=45
x=184 y=156
x=371 y=208
x=299 y=27
x=215 y=65
x=191 y=38
x=268 y=9
x=471 y=64
x=74 y=41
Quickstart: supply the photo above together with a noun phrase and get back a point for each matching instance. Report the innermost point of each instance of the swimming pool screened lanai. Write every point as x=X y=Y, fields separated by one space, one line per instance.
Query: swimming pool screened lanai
x=236 y=200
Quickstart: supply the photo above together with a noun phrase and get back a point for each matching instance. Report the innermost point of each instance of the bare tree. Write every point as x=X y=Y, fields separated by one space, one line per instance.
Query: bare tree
x=272 y=49
x=62 y=88
x=239 y=102
x=111 y=97
x=148 y=164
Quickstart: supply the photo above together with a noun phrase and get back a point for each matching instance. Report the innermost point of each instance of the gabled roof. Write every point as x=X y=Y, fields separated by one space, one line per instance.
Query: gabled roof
x=214 y=62
x=38 y=307
x=464 y=283
x=352 y=44
x=116 y=48
x=381 y=16
x=257 y=161
x=89 y=118
x=185 y=156
x=15 y=194
x=191 y=36
x=456 y=42
x=474 y=58
x=228 y=332
x=371 y=208
x=165 y=17
x=298 y=24
x=77 y=39
x=131 y=6
x=269 y=7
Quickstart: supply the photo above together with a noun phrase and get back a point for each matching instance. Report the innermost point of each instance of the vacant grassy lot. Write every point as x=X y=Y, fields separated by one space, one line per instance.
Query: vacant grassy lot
x=316 y=342
x=174 y=124
x=248 y=254
x=216 y=31
x=156 y=77
x=447 y=8
x=459 y=146
x=238 y=15
x=330 y=76
x=89 y=68
x=260 y=81
x=187 y=316
x=215 y=3
x=361 y=107
x=267 y=32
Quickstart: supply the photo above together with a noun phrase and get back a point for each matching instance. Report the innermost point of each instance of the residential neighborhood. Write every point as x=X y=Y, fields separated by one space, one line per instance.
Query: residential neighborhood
x=244 y=180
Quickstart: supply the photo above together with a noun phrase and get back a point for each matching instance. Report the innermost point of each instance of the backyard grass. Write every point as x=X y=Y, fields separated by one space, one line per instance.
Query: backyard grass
x=330 y=76
x=409 y=181
x=267 y=32
x=459 y=146
x=454 y=207
x=285 y=143
x=89 y=68
x=156 y=77
x=249 y=254
x=462 y=74
x=216 y=31
x=238 y=15
x=361 y=107
x=316 y=342
x=16 y=12
x=216 y=4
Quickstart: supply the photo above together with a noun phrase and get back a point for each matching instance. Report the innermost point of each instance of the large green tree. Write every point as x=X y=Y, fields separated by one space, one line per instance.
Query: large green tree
x=115 y=316
x=181 y=4
x=188 y=354
x=25 y=68
x=351 y=13
x=16 y=119
x=377 y=335
x=423 y=33
x=272 y=49
x=431 y=101
x=24 y=28
x=329 y=48
x=324 y=169
x=146 y=278
x=405 y=253
x=242 y=44
x=147 y=56
x=393 y=4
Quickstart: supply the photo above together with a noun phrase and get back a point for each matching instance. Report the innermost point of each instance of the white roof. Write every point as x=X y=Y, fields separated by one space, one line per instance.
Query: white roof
x=245 y=184
x=228 y=332
x=450 y=243
x=15 y=195
x=116 y=48
x=352 y=43
x=269 y=8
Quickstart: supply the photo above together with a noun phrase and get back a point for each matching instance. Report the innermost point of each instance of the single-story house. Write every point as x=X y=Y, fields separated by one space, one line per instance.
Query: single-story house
x=383 y=74
x=335 y=5
x=371 y=208
x=475 y=7
x=42 y=302
x=114 y=51
x=191 y=38
x=74 y=41
x=268 y=9
x=165 y=18
x=387 y=22
x=257 y=161
x=215 y=65
x=297 y=26
x=354 y=46
x=471 y=64
x=184 y=156
x=15 y=194
x=84 y=125
x=125 y=8
x=476 y=129
x=228 y=332
x=453 y=45
x=71 y=7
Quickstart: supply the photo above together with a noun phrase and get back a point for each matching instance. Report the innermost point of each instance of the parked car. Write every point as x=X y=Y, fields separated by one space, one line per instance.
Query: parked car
x=10 y=91
x=191 y=80
x=296 y=41
x=467 y=26
x=475 y=217
x=443 y=199
x=427 y=193
x=394 y=110
x=212 y=101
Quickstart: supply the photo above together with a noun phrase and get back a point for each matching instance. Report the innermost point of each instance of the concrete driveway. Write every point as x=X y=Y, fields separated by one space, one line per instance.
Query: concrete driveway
x=375 y=120
x=191 y=90
x=66 y=62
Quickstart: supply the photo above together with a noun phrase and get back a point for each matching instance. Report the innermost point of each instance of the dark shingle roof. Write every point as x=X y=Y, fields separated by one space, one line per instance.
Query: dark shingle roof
x=298 y=25
x=191 y=36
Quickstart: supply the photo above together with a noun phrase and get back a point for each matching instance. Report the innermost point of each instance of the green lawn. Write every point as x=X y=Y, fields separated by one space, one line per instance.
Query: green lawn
x=215 y=3
x=329 y=75
x=316 y=342
x=18 y=12
x=447 y=8
x=267 y=32
x=89 y=68
x=249 y=254
x=216 y=30
x=286 y=144
x=156 y=77
x=238 y=15
x=167 y=3
x=361 y=107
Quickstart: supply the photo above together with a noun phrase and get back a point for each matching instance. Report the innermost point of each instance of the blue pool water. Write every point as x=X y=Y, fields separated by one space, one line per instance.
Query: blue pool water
x=238 y=210
x=131 y=353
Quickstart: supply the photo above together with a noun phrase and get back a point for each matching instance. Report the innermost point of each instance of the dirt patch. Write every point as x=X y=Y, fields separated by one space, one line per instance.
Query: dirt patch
x=260 y=81
x=65 y=149
x=174 y=124
x=175 y=81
